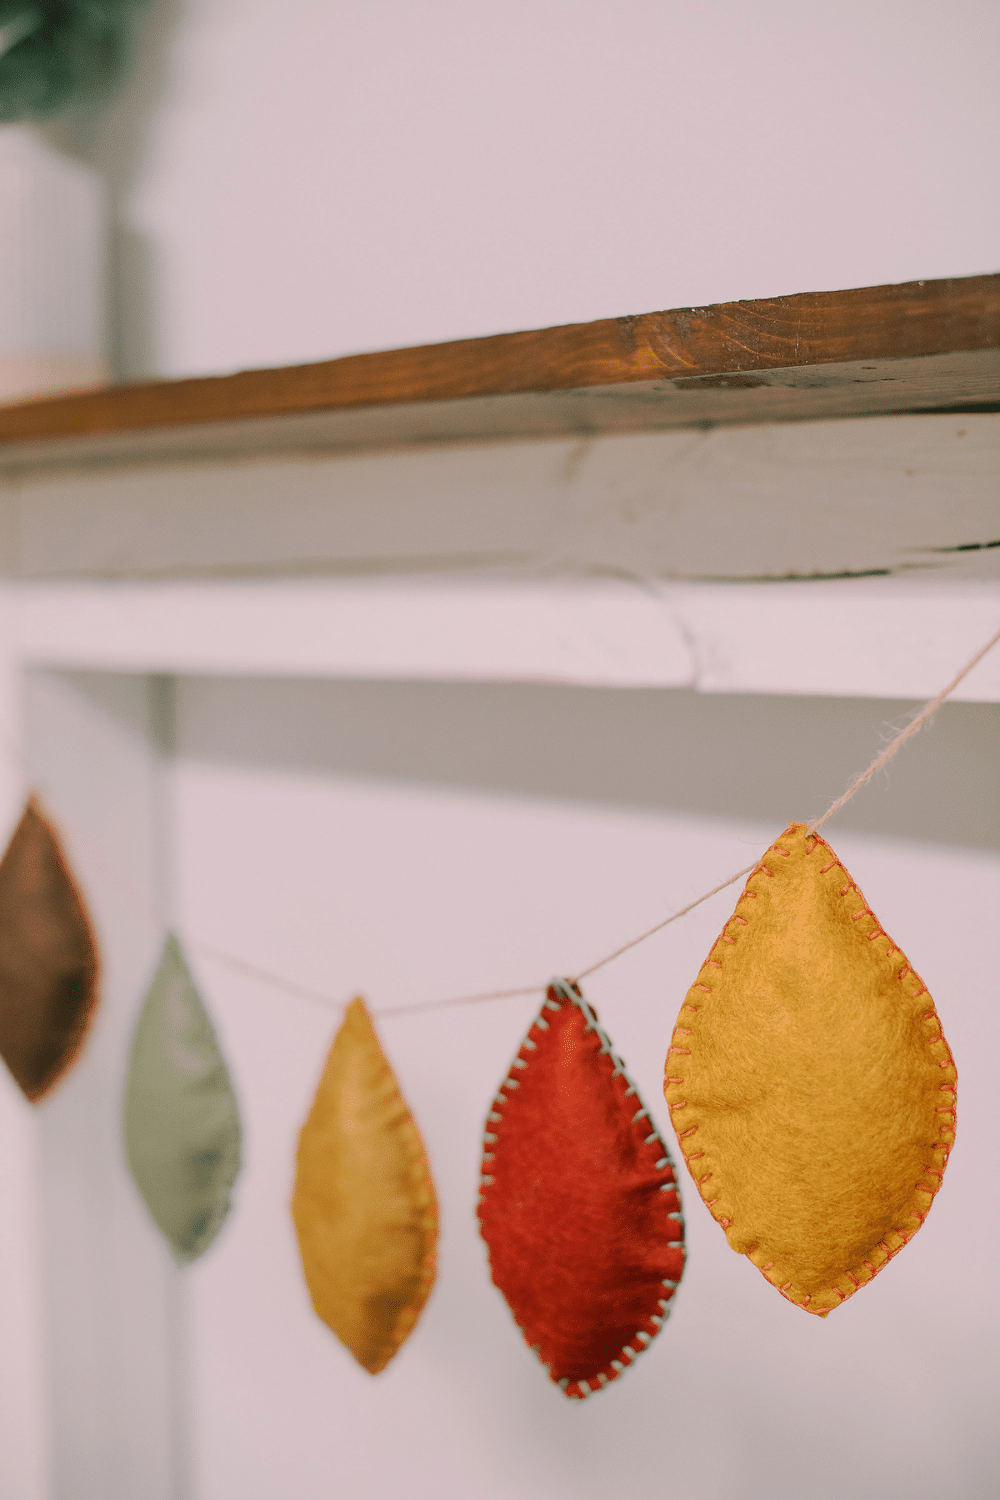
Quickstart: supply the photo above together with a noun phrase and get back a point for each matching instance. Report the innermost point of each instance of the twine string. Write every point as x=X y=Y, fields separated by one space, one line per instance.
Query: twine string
x=928 y=710
x=303 y=992
x=883 y=759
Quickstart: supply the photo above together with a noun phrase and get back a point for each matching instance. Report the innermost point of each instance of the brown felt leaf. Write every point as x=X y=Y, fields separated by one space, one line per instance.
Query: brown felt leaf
x=48 y=958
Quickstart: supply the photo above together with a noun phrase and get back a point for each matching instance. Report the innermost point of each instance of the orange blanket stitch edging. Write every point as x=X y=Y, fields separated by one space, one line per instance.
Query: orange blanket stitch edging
x=809 y=1082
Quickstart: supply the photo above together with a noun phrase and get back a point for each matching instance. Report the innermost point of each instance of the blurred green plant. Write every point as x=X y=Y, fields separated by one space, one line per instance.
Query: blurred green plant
x=53 y=52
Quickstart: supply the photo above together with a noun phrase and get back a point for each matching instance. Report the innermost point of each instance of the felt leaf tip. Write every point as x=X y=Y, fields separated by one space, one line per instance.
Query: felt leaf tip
x=809 y=1081
x=579 y=1203
x=364 y=1204
x=48 y=958
x=181 y=1119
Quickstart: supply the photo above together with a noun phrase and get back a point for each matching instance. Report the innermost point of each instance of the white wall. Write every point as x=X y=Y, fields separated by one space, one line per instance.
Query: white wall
x=414 y=840
x=300 y=180
x=411 y=842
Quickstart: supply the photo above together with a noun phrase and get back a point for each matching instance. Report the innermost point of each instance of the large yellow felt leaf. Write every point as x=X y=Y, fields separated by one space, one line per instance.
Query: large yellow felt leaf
x=809 y=1082
x=364 y=1202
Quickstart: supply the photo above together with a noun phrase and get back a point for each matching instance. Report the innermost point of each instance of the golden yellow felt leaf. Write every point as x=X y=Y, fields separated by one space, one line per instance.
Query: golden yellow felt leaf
x=364 y=1203
x=809 y=1082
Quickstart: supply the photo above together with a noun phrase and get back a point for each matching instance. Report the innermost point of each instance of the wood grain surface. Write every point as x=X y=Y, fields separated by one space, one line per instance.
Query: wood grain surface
x=731 y=345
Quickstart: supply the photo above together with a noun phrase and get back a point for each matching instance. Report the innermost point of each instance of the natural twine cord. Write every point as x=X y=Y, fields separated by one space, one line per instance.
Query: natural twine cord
x=911 y=728
x=883 y=759
x=275 y=981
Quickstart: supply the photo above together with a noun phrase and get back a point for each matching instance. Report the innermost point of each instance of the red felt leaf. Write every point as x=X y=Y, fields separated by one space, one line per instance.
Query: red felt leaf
x=579 y=1204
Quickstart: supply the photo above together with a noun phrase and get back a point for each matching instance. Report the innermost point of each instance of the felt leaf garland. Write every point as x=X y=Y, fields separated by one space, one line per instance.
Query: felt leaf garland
x=182 y=1124
x=809 y=1082
x=364 y=1203
x=48 y=958
x=579 y=1204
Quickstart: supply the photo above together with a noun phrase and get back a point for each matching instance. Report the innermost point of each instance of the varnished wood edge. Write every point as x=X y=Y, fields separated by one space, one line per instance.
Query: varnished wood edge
x=697 y=345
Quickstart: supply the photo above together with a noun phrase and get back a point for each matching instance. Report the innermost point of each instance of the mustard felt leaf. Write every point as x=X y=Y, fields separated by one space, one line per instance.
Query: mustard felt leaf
x=364 y=1204
x=809 y=1082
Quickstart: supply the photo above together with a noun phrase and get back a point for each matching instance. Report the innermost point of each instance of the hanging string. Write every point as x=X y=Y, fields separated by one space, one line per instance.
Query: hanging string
x=274 y=981
x=263 y=976
x=890 y=750
x=927 y=712
x=651 y=931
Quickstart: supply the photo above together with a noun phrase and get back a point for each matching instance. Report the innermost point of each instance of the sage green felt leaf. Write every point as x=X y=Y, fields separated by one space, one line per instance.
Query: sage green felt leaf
x=182 y=1124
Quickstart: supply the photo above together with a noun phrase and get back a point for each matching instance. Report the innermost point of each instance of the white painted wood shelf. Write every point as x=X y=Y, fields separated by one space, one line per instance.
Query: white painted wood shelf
x=412 y=515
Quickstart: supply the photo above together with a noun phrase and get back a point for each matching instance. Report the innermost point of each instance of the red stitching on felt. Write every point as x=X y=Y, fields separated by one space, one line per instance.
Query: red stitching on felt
x=901 y=973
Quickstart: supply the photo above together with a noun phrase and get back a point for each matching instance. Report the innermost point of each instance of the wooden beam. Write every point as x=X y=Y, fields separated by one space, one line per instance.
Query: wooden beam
x=729 y=348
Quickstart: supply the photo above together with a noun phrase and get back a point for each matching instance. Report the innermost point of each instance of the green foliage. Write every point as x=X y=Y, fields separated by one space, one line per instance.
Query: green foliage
x=55 y=51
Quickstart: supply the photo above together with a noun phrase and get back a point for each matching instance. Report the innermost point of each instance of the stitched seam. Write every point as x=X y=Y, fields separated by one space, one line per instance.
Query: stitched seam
x=429 y=1219
x=627 y=1355
x=911 y=1210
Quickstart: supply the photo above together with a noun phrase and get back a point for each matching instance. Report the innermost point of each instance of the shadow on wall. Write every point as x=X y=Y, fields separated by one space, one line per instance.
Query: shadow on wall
x=764 y=758
x=113 y=137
